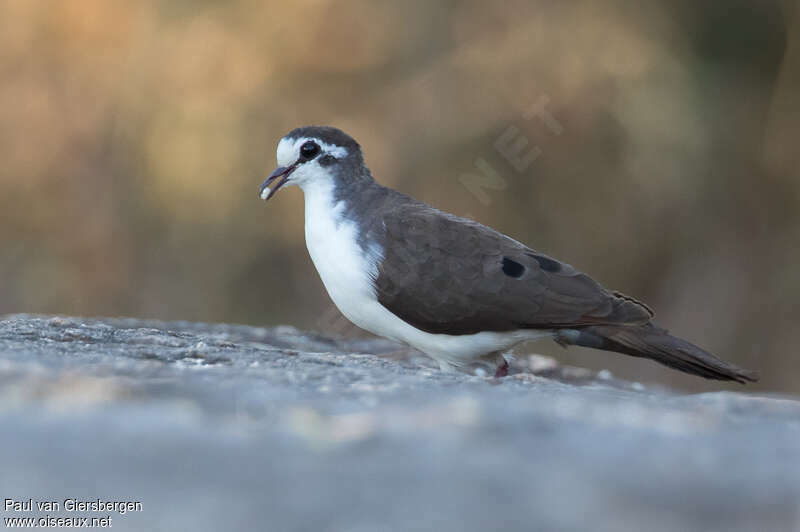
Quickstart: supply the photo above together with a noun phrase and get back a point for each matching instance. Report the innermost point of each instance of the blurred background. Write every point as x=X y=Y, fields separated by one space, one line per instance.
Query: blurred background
x=662 y=153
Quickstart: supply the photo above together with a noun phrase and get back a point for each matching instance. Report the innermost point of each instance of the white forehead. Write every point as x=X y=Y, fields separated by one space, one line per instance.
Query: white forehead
x=289 y=150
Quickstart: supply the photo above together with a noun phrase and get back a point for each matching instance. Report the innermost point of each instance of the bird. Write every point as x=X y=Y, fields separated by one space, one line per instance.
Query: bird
x=461 y=292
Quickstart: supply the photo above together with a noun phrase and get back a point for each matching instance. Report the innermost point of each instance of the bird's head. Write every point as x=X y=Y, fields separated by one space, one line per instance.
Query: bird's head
x=310 y=155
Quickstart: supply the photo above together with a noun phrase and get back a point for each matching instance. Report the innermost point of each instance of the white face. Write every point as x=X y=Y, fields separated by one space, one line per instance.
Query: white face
x=299 y=162
x=289 y=153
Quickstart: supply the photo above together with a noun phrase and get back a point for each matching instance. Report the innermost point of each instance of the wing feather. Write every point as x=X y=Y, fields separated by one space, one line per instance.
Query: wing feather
x=449 y=275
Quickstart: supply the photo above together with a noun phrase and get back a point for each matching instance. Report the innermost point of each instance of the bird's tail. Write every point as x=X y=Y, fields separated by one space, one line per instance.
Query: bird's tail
x=649 y=341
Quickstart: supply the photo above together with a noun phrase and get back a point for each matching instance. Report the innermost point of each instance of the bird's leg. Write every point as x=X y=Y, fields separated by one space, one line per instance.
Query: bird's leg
x=502 y=370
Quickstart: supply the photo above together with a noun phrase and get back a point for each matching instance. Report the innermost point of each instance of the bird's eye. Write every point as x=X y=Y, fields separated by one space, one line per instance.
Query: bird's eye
x=309 y=150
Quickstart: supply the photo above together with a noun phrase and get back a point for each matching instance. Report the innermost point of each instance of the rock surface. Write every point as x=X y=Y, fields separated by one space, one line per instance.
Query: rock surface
x=217 y=427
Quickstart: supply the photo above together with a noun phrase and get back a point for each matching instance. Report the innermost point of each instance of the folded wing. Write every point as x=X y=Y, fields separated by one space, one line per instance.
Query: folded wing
x=448 y=275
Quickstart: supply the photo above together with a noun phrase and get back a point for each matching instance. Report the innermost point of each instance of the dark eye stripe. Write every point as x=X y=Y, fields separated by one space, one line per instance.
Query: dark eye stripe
x=327 y=160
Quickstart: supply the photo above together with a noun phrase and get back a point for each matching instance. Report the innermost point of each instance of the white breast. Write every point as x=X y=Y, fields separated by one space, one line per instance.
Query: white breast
x=348 y=272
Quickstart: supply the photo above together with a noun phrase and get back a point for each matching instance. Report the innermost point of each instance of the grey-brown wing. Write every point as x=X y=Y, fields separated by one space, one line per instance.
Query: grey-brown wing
x=449 y=275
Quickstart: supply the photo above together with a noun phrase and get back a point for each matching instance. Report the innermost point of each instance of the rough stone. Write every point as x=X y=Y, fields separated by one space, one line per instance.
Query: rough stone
x=216 y=427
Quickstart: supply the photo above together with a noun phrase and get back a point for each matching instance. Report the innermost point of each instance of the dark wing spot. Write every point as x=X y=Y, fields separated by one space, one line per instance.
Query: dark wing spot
x=513 y=268
x=546 y=263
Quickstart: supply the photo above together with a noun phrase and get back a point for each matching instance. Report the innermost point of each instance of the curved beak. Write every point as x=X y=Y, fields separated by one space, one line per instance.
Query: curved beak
x=281 y=172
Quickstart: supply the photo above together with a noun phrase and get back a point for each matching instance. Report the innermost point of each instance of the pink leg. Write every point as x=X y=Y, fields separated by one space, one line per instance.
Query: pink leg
x=502 y=371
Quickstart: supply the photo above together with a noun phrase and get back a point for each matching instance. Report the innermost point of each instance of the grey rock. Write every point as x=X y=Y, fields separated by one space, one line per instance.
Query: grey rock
x=217 y=427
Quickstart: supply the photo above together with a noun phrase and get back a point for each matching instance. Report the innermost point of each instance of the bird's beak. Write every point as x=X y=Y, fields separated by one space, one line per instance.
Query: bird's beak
x=280 y=172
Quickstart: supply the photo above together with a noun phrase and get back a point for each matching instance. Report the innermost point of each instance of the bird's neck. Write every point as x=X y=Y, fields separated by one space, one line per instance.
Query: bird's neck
x=354 y=190
x=354 y=199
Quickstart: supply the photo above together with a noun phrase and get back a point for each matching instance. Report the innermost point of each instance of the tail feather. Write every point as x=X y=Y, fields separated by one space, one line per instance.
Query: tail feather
x=649 y=341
